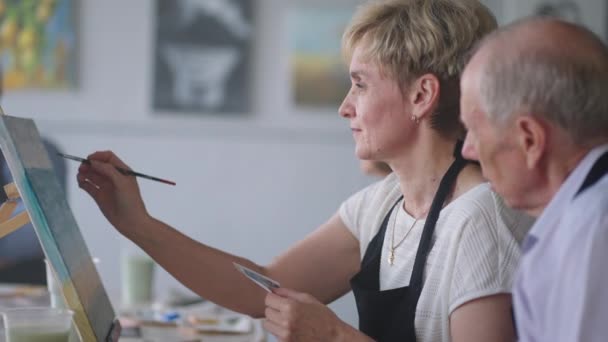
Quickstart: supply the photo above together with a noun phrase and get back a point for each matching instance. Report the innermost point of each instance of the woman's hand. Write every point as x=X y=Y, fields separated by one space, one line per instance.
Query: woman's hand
x=295 y=316
x=117 y=195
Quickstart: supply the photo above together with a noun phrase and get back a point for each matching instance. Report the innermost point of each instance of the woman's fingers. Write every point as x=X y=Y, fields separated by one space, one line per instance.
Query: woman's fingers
x=87 y=185
x=281 y=333
x=295 y=295
x=277 y=302
x=108 y=157
x=275 y=316
x=97 y=179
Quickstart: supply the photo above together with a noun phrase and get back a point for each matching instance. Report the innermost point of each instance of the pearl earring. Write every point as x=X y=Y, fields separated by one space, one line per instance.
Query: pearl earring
x=415 y=119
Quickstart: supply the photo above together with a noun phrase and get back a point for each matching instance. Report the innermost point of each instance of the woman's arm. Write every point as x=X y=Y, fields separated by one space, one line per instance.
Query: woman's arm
x=321 y=264
x=483 y=319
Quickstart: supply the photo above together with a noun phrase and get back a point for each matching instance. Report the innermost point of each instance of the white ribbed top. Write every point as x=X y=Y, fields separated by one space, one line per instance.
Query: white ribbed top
x=475 y=249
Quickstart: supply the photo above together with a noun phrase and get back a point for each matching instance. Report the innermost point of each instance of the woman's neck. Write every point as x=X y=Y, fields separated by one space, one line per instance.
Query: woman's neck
x=420 y=170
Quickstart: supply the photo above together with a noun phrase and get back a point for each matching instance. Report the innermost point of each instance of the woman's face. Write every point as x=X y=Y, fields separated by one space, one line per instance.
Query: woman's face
x=377 y=111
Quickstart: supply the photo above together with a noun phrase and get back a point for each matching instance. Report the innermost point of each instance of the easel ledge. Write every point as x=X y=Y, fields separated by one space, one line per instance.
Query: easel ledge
x=10 y=224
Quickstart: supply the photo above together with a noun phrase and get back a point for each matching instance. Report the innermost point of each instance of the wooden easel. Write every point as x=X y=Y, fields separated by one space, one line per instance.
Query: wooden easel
x=10 y=224
x=56 y=228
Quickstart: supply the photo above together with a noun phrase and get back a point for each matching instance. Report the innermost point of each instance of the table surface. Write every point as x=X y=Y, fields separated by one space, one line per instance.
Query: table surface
x=224 y=326
x=181 y=332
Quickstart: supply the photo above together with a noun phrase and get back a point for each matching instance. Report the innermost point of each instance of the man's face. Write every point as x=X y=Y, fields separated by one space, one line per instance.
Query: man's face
x=493 y=145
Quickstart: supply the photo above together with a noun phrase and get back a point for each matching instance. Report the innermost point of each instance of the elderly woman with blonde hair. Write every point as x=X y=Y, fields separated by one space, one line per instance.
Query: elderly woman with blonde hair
x=429 y=251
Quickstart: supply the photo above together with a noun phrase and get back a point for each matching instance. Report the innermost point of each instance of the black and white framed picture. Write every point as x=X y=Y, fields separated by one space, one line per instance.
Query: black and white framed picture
x=202 y=56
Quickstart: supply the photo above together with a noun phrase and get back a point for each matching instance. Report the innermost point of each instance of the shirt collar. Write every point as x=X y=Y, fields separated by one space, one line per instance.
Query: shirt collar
x=557 y=206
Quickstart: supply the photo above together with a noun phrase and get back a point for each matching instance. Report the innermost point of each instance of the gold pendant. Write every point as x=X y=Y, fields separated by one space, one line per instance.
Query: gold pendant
x=391 y=257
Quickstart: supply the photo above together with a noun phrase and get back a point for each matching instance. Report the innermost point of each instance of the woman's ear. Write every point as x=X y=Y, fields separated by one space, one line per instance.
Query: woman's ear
x=424 y=95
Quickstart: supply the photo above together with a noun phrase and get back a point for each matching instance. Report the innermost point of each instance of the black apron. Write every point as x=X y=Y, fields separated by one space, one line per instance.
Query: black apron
x=389 y=315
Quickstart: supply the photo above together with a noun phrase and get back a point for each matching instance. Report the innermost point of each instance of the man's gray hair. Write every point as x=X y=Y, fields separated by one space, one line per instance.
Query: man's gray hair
x=567 y=88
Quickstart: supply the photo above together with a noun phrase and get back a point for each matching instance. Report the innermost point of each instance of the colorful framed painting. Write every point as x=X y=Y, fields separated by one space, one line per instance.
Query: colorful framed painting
x=38 y=43
x=57 y=230
x=319 y=76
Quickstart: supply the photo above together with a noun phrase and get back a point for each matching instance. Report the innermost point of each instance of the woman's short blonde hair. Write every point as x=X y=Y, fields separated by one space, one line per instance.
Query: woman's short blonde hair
x=409 y=38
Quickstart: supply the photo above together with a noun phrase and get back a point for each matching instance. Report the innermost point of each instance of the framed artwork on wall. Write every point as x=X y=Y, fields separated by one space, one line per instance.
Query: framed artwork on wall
x=202 y=55
x=319 y=75
x=38 y=43
x=58 y=232
x=592 y=14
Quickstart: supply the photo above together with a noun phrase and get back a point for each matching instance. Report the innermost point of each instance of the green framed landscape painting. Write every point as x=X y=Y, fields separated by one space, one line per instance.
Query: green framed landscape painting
x=319 y=74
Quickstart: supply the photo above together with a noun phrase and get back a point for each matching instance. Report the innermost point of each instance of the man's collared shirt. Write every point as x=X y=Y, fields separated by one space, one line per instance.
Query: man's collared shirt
x=561 y=287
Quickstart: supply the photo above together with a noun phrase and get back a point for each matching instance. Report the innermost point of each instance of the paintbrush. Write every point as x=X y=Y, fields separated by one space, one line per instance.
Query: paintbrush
x=120 y=169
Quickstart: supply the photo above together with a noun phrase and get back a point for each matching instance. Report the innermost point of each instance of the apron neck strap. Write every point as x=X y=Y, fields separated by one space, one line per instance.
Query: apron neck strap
x=445 y=187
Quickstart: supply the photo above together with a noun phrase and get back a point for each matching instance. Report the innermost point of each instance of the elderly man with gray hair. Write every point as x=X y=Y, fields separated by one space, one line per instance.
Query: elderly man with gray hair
x=535 y=102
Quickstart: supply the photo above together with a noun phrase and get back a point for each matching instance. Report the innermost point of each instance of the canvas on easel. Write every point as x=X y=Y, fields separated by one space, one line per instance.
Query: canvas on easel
x=57 y=230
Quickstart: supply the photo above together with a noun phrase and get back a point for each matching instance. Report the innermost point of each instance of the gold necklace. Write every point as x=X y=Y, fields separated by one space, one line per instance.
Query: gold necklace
x=391 y=253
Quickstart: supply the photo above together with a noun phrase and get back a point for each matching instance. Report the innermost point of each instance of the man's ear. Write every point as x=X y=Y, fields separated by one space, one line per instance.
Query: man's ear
x=424 y=95
x=531 y=139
